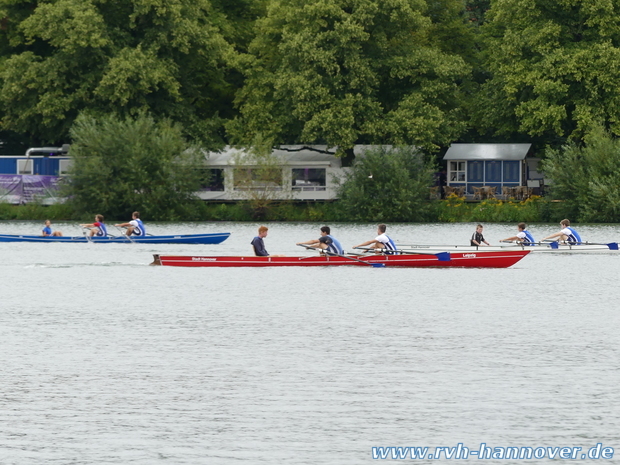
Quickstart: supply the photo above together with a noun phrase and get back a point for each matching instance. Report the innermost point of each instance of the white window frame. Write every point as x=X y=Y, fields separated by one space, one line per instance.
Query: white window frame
x=23 y=163
x=63 y=167
x=316 y=188
x=457 y=171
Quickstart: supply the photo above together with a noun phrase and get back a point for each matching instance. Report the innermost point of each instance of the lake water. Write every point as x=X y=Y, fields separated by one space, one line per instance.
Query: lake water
x=106 y=360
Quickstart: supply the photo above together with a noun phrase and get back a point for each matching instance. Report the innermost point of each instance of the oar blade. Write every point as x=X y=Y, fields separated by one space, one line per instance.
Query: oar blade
x=613 y=246
x=443 y=256
x=378 y=265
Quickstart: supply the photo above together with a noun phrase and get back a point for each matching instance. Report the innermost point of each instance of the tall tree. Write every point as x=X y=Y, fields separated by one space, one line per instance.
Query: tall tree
x=343 y=72
x=121 y=56
x=554 y=68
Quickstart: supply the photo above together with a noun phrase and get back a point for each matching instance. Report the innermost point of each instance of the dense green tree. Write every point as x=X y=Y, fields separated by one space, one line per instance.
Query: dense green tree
x=110 y=56
x=387 y=184
x=126 y=164
x=587 y=178
x=343 y=72
x=476 y=10
x=554 y=68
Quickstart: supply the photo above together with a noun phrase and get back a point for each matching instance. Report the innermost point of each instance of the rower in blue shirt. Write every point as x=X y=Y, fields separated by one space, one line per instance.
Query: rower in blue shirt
x=47 y=230
x=326 y=242
x=523 y=237
x=567 y=234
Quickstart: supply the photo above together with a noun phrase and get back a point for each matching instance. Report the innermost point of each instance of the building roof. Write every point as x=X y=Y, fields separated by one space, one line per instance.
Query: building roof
x=487 y=152
x=287 y=154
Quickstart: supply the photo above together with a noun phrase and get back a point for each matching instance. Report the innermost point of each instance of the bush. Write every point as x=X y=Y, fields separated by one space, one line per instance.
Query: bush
x=122 y=165
x=587 y=178
x=387 y=185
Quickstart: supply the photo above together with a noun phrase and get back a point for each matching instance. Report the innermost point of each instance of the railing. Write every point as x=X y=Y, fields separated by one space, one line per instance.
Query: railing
x=310 y=188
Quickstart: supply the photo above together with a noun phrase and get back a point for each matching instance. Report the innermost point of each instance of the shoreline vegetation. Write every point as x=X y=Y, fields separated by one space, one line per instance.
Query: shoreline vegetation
x=453 y=209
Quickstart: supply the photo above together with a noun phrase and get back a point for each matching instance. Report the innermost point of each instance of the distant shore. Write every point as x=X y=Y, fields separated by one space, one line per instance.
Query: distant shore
x=451 y=210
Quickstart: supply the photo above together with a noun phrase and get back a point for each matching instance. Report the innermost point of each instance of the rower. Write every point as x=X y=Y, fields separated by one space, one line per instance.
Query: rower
x=524 y=237
x=97 y=228
x=135 y=227
x=327 y=243
x=567 y=234
x=382 y=241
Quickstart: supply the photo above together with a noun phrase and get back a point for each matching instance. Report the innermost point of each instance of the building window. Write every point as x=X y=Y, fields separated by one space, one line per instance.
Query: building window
x=269 y=178
x=63 y=167
x=457 y=171
x=512 y=171
x=25 y=166
x=493 y=171
x=212 y=180
x=307 y=179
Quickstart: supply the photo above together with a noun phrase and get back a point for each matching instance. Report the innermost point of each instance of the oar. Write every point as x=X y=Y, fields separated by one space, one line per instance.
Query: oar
x=86 y=234
x=374 y=265
x=125 y=235
x=609 y=245
x=441 y=256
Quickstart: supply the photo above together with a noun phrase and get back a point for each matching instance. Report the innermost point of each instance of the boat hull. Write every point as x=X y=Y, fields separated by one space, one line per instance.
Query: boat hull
x=456 y=260
x=612 y=247
x=215 y=238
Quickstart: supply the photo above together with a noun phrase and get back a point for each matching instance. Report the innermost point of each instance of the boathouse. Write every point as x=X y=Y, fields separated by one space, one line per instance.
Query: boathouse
x=480 y=171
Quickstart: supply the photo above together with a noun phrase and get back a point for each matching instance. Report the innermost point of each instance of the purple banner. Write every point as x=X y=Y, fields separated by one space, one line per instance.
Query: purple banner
x=19 y=189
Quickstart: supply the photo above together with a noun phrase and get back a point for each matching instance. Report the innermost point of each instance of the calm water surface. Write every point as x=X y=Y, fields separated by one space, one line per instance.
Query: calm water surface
x=106 y=360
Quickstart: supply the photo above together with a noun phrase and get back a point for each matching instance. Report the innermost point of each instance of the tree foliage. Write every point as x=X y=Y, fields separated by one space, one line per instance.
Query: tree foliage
x=125 y=164
x=387 y=184
x=336 y=72
x=587 y=176
x=109 y=56
x=553 y=66
x=343 y=72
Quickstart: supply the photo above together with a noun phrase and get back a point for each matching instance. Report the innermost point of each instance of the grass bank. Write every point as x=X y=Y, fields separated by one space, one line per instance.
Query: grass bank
x=453 y=209
x=34 y=212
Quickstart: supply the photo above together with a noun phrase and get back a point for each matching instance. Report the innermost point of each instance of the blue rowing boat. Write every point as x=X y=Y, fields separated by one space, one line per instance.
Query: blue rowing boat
x=215 y=238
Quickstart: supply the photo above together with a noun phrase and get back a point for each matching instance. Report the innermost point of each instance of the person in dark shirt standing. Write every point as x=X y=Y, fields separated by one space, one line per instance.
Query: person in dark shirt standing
x=259 y=244
x=477 y=238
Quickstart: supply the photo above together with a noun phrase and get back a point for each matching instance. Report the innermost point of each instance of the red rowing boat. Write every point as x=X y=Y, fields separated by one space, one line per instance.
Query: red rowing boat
x=453 y=259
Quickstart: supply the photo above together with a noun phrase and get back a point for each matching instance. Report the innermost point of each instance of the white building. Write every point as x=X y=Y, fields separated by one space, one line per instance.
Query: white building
x=307 y=173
